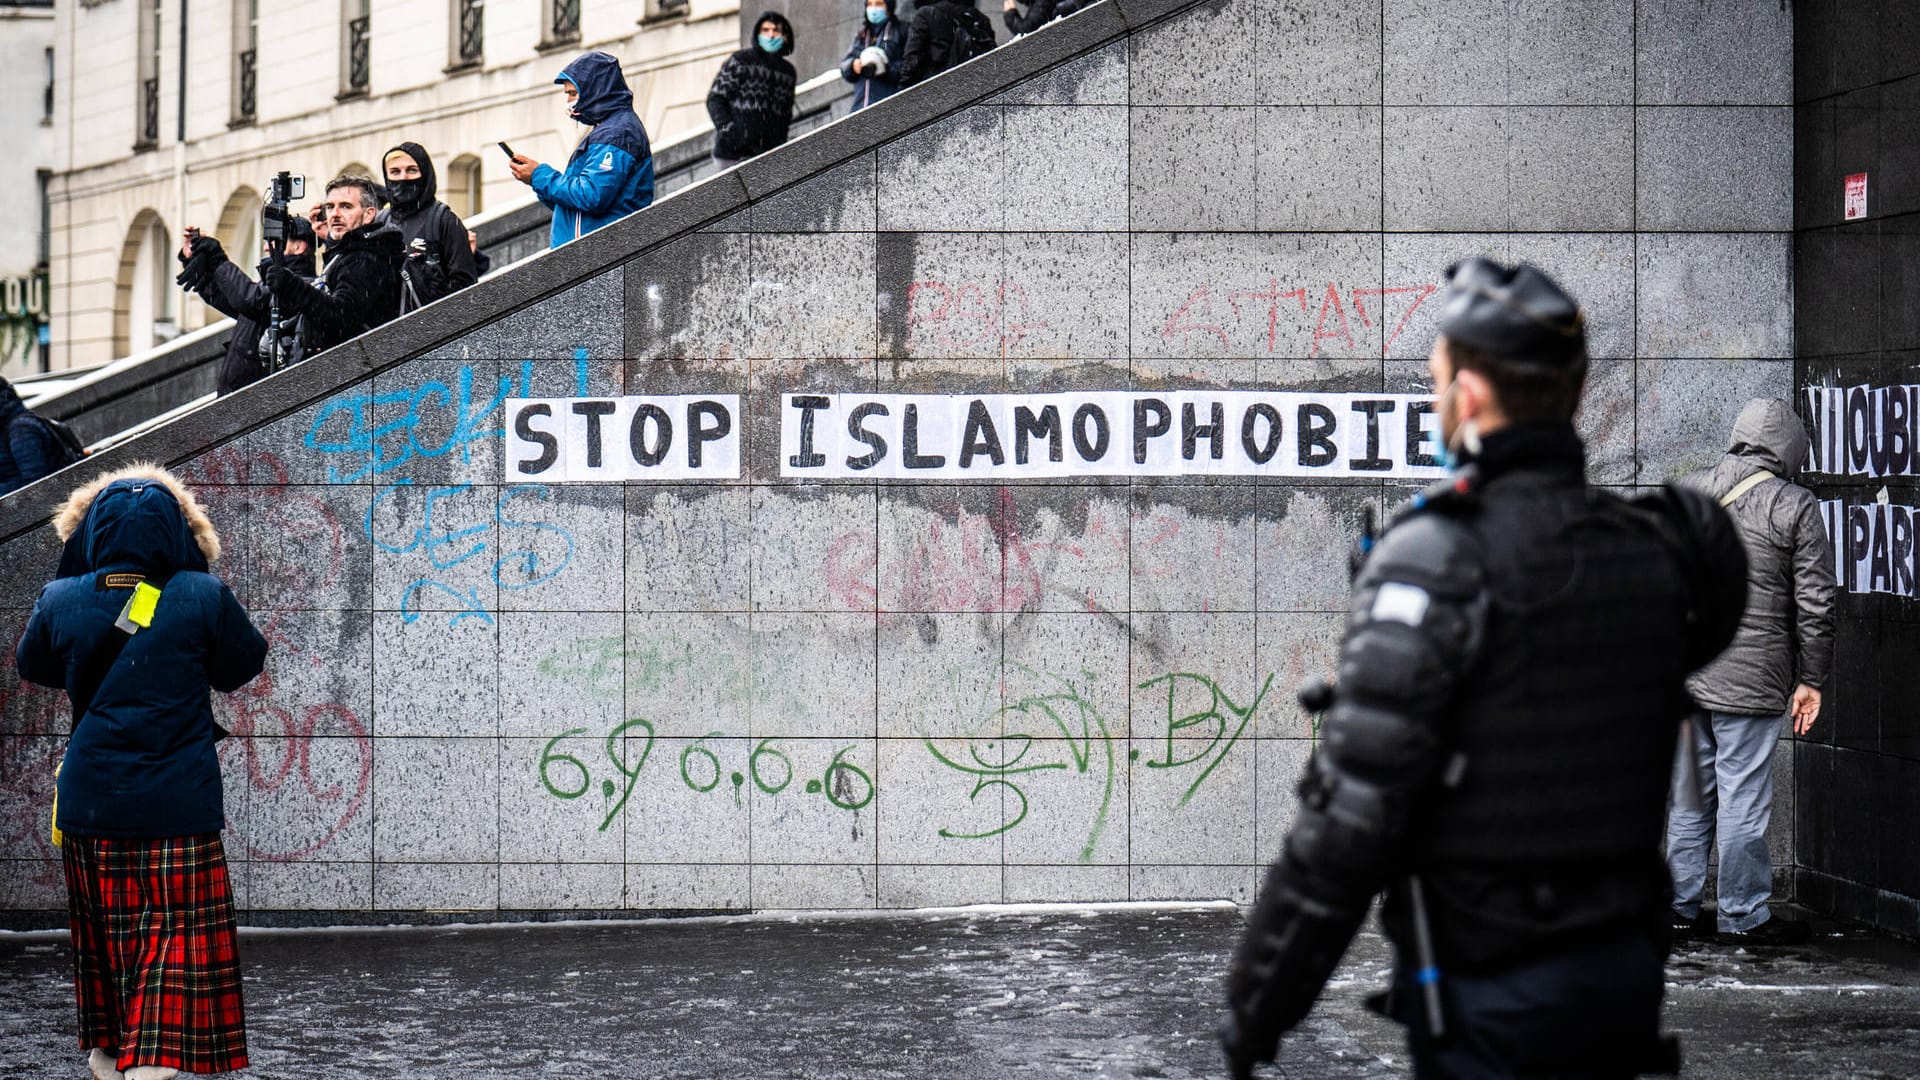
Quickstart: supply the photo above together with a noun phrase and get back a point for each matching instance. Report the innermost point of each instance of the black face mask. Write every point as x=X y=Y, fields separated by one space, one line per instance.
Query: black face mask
x=407 y=194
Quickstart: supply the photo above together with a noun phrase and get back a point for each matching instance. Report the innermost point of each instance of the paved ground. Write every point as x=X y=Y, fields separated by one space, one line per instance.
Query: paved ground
x=985 y=994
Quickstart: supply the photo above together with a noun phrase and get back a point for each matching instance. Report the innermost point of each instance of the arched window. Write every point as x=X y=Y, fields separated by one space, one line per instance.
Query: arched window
x=460 y=189
x=145 y=299
x=239 y=228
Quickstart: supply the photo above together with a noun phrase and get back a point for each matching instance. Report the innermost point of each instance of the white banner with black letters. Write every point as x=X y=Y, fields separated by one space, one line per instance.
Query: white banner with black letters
x=981 y=436
x=1117 y=433
x=582 y=440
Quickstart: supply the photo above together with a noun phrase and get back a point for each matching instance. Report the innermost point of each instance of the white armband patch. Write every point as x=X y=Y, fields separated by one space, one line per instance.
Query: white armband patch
x=1401 y=603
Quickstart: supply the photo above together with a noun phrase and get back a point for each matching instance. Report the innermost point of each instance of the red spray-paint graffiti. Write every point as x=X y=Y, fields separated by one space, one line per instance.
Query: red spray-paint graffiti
x=971 y=561
x=1261 y=309
x=297 y=552
x=969 y=319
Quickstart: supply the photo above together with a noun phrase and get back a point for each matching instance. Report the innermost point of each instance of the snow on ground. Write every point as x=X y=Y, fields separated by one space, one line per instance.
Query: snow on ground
x=957 y=994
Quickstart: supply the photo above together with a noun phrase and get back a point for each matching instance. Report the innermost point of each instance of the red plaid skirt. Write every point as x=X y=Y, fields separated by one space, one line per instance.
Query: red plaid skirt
x=156 y=964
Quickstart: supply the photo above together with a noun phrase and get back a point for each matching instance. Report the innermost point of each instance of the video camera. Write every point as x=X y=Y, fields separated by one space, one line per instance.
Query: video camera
x=274 y=218
x=275 y=224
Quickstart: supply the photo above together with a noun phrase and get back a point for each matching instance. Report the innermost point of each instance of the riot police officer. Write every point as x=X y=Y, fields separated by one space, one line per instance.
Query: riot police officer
x=1495 y=755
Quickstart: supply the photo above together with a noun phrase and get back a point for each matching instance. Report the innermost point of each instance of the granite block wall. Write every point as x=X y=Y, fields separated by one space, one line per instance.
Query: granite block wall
x=488 y=695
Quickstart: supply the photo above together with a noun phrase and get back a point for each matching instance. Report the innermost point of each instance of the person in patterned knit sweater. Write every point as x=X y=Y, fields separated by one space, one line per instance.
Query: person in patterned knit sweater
x=751 y=102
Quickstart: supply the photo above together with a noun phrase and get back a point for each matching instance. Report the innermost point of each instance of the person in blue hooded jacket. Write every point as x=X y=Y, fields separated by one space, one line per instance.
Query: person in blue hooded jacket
x=610 y=174
x=28 y=448
x=138 y=632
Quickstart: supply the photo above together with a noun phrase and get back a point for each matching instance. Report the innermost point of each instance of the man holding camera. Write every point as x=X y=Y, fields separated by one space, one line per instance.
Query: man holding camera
x=207 y=272
x=361 y=287
x=1495 y=757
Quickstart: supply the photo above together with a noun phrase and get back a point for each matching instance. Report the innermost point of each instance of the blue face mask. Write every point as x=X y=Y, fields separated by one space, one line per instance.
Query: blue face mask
x=876 y=16
x=1444 y=454
x=772 y=42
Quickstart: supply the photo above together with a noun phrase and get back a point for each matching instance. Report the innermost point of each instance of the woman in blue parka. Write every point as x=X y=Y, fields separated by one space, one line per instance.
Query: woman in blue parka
x=140 y=807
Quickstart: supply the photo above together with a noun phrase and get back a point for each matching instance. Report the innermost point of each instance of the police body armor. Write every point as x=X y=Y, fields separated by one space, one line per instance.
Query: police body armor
x=1503 y=727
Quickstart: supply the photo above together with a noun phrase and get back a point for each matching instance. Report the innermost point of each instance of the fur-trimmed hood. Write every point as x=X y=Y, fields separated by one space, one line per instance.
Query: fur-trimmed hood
x=138 y=518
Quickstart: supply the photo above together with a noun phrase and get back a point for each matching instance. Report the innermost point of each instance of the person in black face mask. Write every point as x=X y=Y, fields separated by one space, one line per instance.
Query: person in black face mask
x=411 y=187
x=206 y=271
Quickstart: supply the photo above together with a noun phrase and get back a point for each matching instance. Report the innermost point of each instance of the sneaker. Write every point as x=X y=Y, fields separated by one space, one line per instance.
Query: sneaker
x=1687 y=929
x=101 y=1064
x=1775 y=931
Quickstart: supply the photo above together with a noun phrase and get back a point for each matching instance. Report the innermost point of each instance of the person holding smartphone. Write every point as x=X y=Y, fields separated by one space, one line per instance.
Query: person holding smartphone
x=610 y=174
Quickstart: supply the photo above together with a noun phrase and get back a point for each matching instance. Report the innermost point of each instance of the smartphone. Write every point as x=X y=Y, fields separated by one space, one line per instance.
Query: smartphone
x=508 y=150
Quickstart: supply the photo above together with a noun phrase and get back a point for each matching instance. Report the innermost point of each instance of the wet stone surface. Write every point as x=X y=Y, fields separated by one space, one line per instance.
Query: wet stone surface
x=1116 y=991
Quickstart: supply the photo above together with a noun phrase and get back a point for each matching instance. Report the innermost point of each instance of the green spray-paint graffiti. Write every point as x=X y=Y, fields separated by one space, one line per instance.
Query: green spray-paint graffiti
x=1015 y=751
x=1221 y=743
x=1079 y=724
x=616 y=754
x=565 y=776
x=1203 y=724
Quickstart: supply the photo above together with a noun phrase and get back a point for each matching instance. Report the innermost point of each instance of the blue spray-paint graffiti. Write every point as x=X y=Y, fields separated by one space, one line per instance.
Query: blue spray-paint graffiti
x=380 y=435
x=446 y=548
x=382 y=430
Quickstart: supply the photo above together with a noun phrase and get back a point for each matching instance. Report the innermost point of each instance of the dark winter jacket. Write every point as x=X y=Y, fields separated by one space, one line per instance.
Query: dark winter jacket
x=1786 y=635
x=891 y=38
x=751 y=102
x=214 y=278
x=931 y=38
x=610 y=174
x=361 y=289
x=421 y=216
x=27 y=447
x=141 y=763
x=1039 y=13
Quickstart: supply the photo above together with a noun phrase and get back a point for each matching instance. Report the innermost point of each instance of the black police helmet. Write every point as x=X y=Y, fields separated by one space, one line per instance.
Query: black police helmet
x=1517 y=313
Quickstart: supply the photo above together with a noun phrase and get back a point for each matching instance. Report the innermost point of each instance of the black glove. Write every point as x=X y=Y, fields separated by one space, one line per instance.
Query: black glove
x=1287 y=956
x=197 y=268
x=281 y=281
x=1240 y=1058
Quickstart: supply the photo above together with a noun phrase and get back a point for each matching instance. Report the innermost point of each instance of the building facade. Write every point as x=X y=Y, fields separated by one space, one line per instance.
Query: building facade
x=175 y=113
x=26 y=127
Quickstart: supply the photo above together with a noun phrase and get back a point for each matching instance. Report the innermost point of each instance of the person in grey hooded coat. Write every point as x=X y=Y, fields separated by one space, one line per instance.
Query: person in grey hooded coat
x=1776 y=666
